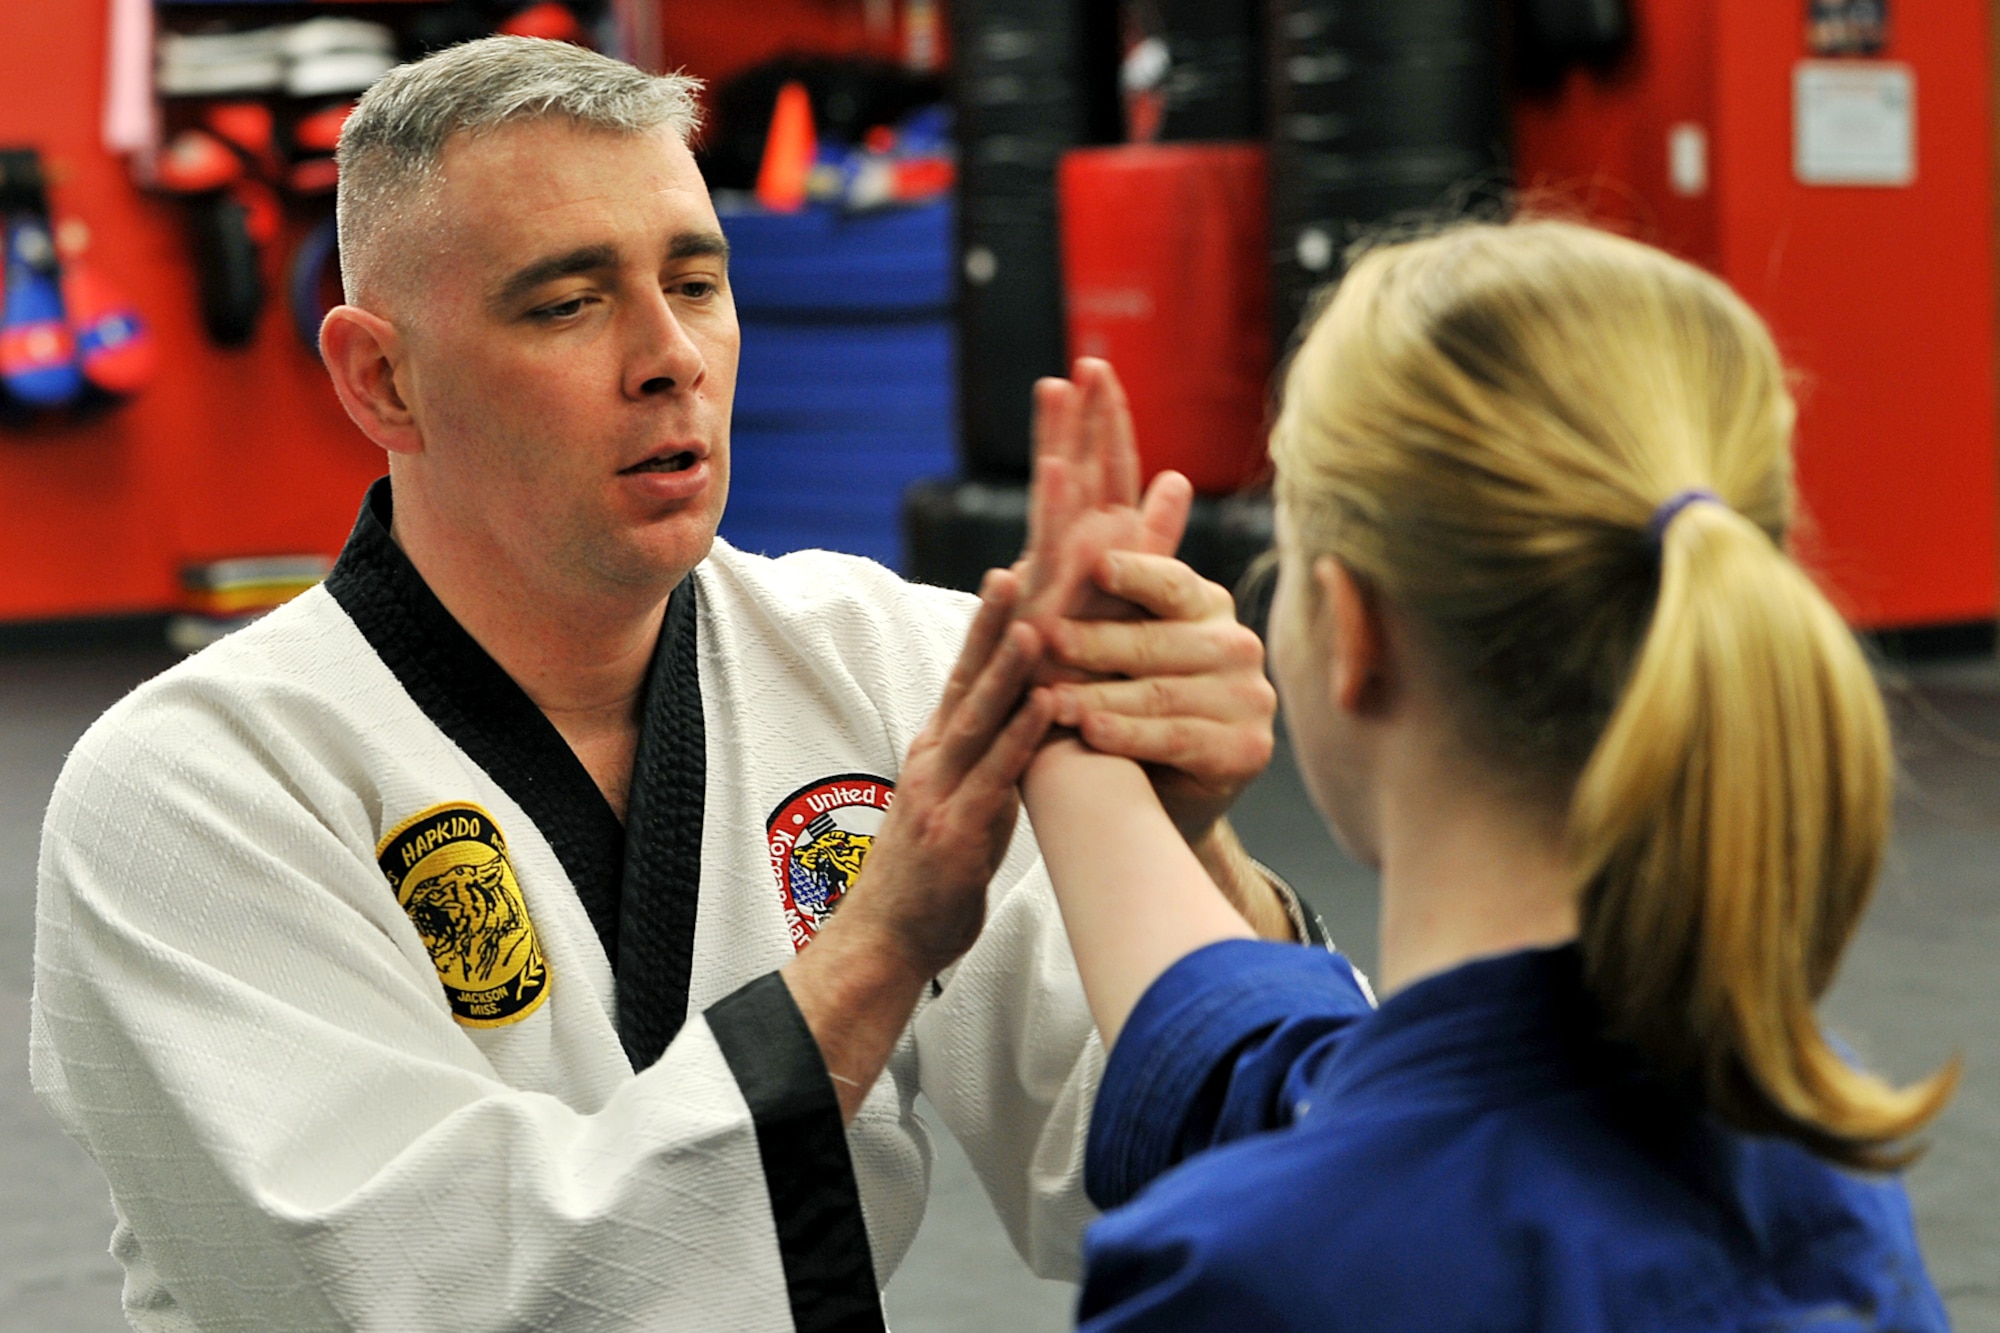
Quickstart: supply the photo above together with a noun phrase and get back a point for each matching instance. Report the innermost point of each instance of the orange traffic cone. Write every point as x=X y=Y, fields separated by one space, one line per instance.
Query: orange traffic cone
x=789 y=150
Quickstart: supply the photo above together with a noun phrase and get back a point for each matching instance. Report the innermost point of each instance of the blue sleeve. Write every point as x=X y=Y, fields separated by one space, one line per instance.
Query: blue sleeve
x=1221 y=1046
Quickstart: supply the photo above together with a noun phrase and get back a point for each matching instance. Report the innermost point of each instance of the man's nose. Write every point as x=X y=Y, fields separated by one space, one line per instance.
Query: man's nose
x=662 y=358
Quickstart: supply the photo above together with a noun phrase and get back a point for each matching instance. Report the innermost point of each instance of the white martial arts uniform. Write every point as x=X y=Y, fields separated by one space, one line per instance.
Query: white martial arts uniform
x=315 y=1114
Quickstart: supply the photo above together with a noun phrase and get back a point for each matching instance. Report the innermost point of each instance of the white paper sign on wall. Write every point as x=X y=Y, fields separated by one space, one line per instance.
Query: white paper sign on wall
x=1854 y=122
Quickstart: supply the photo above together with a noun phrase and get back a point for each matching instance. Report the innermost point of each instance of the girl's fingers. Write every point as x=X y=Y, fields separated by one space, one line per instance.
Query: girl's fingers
x=1054 y=432
x=1050 y=518
x=1117 y=446
x=1088 y=460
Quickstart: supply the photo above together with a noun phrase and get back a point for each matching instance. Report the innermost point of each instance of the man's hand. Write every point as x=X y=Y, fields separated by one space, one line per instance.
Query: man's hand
x=921 y=898
x=1149 y=660
x=1157 y=668
x=956 y=803
x=1183 y=693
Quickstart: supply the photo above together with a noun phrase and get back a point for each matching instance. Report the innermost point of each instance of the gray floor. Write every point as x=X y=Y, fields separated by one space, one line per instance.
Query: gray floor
x=1922 y=982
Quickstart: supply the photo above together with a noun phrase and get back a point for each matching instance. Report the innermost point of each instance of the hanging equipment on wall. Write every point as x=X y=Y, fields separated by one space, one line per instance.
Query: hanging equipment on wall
x=114 y=346
x=1212 y=86
x=38 y=364
x=69 y=338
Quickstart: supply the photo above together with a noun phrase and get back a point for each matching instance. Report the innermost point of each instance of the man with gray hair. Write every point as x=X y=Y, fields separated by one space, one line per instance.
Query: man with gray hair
x=456 y=947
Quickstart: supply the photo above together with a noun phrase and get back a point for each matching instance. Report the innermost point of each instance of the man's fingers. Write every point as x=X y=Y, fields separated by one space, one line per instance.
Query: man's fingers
x=1163 y=514
x=1231 y=698
x=1162 y=585
x=1138 y=648
x=1221 y=751
x=1007 y=758
x=997 y=596
x=971 y=726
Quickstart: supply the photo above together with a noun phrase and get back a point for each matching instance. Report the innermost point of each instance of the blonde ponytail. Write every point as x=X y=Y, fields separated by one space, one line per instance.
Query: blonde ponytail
x=1727 y=831
x=1482 y=425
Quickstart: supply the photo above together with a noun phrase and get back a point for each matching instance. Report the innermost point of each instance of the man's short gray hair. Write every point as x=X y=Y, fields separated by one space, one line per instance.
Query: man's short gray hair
x=391 y=146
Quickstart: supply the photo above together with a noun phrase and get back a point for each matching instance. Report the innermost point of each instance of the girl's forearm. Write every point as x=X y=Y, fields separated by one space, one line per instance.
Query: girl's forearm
x=1134 y=898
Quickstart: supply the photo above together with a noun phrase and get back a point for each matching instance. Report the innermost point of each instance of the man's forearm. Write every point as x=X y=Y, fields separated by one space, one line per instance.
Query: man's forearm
x=856 y=993
x=1222 y=855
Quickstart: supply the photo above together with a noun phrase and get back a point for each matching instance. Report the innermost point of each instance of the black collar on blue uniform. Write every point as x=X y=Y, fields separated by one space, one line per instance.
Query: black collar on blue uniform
x=639 y=882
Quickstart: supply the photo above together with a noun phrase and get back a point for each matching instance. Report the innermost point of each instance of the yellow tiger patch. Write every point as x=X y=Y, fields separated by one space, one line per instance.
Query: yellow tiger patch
x=449 y=869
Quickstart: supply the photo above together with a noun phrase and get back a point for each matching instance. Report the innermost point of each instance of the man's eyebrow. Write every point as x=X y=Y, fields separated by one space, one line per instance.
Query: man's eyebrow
x=525 y=280
x=695 y=244
x=686 y=245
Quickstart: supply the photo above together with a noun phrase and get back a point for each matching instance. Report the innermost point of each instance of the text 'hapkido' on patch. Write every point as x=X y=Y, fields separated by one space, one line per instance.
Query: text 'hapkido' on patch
x=450 y=871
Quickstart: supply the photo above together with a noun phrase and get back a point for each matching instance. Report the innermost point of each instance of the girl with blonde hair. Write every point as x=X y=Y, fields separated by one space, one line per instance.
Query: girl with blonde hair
x=1546 y=664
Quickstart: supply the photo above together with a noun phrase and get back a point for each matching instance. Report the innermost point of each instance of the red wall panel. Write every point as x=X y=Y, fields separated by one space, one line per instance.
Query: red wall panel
x=1598 y=142
x=1882 y=298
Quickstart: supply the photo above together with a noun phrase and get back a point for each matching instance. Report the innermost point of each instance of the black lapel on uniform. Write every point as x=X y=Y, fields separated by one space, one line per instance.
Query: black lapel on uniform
x=663 y=821
x=473 y=701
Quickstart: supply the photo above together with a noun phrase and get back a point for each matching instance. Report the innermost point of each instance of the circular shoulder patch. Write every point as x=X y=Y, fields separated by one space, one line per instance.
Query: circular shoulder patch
x=819 y=836
x=449 y=869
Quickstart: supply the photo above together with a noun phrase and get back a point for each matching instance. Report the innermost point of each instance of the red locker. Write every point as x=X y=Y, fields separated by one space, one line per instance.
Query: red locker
x=1722 y=137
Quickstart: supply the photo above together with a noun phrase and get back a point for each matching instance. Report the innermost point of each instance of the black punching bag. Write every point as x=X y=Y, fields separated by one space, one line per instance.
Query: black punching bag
x=1031 y=78
x=1215 y=83
x=1380 y=109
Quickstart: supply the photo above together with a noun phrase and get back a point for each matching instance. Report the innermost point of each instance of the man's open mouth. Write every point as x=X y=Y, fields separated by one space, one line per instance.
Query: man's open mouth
x=679 y=462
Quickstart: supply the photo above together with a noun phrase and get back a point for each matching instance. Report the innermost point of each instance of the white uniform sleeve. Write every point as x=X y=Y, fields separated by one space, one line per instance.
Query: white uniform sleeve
x=1006 y=1051
x=1009 y=1056
x=298 y=1134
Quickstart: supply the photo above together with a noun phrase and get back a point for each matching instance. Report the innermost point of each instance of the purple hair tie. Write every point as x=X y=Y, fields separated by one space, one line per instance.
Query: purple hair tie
x=1656 y=526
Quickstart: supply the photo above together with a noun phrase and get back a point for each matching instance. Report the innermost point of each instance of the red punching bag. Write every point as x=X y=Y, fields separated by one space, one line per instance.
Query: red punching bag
x=1165 y=275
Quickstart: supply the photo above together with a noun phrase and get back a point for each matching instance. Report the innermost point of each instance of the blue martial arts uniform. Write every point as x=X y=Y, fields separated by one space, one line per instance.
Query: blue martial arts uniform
x=1471 y=1156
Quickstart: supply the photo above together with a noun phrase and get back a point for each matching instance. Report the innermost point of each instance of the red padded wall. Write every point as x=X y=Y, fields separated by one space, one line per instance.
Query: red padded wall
x=1881 y=297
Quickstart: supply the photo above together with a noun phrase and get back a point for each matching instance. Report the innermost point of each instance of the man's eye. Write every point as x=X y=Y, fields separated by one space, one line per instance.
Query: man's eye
x=561 y=310
x=698 y=289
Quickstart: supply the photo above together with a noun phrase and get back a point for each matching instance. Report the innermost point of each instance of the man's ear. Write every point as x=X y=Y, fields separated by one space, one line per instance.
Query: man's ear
x=1359 y=647
x=363 y=352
